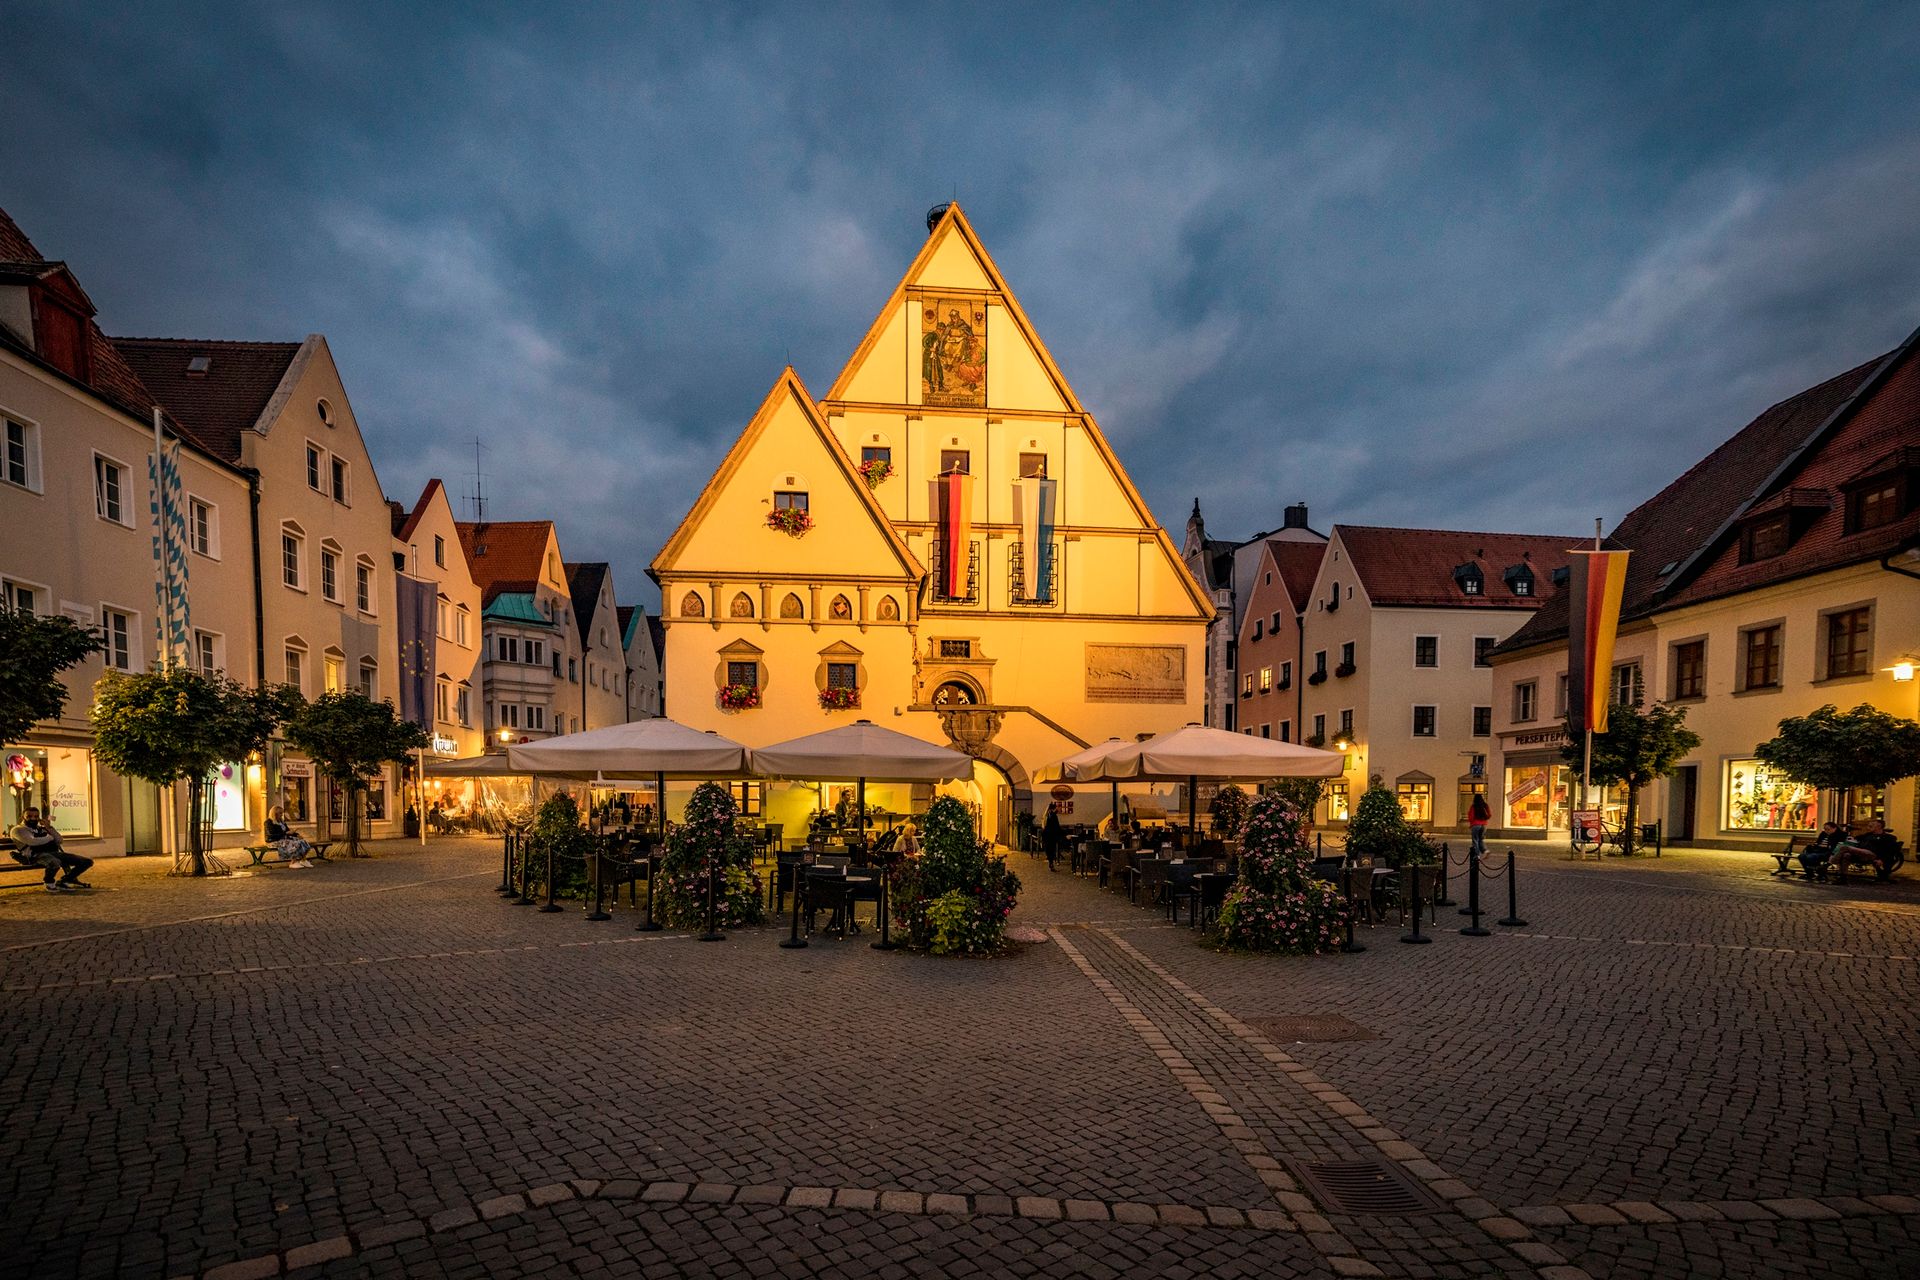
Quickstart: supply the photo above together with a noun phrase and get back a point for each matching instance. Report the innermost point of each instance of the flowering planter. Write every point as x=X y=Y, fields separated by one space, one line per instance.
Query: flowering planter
x=839 y=699
x=739 y=697
x=1344 y=670
x=789 y=520
x=875 y=471
x=1318 y=677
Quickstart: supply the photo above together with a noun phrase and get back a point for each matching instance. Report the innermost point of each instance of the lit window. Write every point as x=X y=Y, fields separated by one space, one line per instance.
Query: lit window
x=1416 y=799
x=336 y=672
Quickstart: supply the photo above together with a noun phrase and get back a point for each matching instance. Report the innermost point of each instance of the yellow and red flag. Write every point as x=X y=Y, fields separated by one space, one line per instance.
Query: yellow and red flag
x=956 y=529
x=1595 y=584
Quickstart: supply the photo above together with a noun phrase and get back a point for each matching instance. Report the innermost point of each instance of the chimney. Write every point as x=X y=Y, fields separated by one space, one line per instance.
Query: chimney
x=1295 y=516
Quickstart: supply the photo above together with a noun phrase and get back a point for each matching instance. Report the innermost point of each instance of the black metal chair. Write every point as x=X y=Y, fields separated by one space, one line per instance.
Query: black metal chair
x=1149 y=880
x=1179 y=887
x=828 y=888
x=1210 y=894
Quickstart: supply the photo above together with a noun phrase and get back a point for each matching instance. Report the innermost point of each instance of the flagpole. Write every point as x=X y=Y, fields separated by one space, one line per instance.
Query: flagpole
x=1586 y=768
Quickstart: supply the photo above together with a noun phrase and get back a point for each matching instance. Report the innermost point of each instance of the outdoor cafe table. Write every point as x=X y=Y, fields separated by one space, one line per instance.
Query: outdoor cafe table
x=1193 y=893
x=853 y=881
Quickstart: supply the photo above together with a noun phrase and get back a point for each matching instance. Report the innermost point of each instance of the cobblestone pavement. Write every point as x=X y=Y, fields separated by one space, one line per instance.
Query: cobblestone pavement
x=379 y=1067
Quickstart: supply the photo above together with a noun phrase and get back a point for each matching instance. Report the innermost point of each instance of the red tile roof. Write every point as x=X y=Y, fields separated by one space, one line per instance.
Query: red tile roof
x=1884 y=422
x=228 y=399
x=1299 y=564
x=110 y=377
x=504 y=555
x=403 y=529
x=1666 y=530
x=1415 y=567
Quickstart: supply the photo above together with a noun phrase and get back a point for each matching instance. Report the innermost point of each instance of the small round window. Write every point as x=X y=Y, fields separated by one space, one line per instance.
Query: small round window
x=326 y=412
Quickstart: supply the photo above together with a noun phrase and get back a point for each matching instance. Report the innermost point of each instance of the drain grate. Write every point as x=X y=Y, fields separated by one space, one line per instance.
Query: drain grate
x=1365 y=1187
x=1312 y=1028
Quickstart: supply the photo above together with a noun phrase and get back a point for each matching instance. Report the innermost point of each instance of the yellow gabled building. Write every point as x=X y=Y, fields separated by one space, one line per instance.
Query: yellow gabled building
x=944 y=544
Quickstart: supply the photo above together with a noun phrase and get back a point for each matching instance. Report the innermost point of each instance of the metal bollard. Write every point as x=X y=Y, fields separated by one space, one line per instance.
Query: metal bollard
x=506 y=863
x=1416 y=935
x=525 y=899
x=1513 y=920
x=886 y=942
x=1349 y=946
x=551 y=905
x=793 y=938
x=1473 y=897
x=1446 y=897
x=599 y=869
x=713 y=933
x=650 y=925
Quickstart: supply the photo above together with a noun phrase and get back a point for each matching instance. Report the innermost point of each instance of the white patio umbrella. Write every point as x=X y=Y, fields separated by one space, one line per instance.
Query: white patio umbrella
x=655 y=748
x=1077 y=767
x=1196 y=751
x=858 y=751
x=485 y=766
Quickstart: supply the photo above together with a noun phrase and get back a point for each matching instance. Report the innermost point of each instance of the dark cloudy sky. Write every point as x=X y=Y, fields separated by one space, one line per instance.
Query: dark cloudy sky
x=1501 y=267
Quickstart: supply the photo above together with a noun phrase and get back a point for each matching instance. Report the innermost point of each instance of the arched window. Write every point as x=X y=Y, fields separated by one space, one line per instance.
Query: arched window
x=889 y=610
x=693 y=606
x=742 y=606
x=791 y=607
x=955 y=694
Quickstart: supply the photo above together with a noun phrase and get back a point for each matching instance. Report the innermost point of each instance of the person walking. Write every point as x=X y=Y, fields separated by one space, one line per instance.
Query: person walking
x=1478 y=815
x=37 y=844
x=1051 y=835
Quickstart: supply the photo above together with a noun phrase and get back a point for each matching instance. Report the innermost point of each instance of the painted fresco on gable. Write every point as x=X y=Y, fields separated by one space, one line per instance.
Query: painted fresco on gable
x=953 y=352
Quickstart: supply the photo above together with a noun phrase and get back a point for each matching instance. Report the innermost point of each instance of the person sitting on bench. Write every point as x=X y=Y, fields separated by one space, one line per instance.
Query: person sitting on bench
x=293 y=850
x=37 y=844
x=1815 y=857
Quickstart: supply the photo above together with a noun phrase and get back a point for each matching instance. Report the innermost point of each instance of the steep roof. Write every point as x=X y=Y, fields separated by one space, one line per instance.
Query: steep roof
x=1415 y=567
x=1299 y=565
x=517 y=606
x=403 y=530
x=1670 y=528
x=625 y=613
x=227 y=399
x=504 y=555
x=584 y=580
x=657 y=628
x=109 y=376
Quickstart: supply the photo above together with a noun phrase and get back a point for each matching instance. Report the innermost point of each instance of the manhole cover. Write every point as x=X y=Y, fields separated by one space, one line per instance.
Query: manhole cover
x=1311 y=1028
x=1365 y=1187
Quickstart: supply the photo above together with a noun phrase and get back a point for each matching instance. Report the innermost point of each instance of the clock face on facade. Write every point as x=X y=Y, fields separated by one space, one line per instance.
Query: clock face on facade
x=954 y=694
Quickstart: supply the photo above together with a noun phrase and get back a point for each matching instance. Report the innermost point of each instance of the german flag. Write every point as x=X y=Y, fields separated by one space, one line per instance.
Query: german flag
x=1595 y=584
x=956 y=529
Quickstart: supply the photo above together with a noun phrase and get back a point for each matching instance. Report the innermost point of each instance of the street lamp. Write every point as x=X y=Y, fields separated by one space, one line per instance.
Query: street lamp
x=506 y=735
x=1343 y=744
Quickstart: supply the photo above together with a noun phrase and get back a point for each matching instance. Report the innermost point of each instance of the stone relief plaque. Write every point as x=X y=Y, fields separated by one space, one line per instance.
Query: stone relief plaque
x=953 y=352
x=1136 y=673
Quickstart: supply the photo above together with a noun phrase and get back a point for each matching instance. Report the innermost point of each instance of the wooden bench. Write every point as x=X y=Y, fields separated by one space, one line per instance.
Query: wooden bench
x=266 y=855
x=24 y=873
x=1784 y=860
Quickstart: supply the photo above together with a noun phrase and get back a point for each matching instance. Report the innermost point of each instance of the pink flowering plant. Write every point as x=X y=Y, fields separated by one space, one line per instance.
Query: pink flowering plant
x=875 y=470
x=793 y=520
x=952 y=898
x=708 y=844
x=1275 y=905
x=740 y=697
x=837 y=699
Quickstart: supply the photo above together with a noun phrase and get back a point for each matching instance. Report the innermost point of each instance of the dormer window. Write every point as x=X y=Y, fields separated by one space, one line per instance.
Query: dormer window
x=1874 y=505
x=1519 y=579
x=1469 y=578
x=1763 y=539
x=1773 y=525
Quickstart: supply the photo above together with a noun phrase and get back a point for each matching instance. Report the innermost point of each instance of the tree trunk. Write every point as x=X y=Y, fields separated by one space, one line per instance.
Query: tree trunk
x=196 y=847
x=1632 y=832
x=353 y=822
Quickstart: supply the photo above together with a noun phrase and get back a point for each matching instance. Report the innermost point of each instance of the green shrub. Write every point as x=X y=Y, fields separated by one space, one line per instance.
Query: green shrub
x=1229 y=811
x=704 y=846
x=952 y=898
x=1275 y=905
x=557 y=828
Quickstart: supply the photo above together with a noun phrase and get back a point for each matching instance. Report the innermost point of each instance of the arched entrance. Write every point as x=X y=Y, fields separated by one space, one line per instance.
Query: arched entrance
x=990 y=792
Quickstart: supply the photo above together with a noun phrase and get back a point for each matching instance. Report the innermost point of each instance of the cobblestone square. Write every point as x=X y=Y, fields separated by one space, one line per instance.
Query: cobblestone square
x=380 y=1067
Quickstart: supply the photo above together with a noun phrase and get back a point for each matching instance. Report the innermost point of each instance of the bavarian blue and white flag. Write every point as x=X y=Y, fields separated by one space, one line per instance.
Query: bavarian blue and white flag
x=1037 y=502
x=172 y=628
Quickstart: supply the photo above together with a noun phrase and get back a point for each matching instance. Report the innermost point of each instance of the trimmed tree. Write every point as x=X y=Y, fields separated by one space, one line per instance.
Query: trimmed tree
x=953 y=897
x=1229 y=811
x=1838 y=750
x=165 y=726
x=1379 y=830
x=350 y=736
x=1640 y=746
x=37 y=650
x=1303 y=794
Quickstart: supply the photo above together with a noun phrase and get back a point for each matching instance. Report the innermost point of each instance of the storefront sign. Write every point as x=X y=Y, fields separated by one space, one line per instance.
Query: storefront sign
x=445 y=746
x=1062 y=792
x=1533 y=737
x=296 y=768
